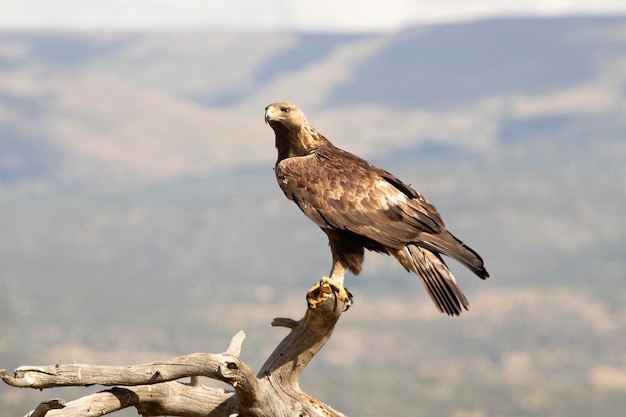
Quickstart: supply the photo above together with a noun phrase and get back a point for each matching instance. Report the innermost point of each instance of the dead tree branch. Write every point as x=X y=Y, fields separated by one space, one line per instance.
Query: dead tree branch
x=154 y=388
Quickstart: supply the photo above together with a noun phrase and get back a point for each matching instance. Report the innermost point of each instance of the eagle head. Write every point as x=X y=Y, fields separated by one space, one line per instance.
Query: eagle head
x=285 y=115
x=294 y=135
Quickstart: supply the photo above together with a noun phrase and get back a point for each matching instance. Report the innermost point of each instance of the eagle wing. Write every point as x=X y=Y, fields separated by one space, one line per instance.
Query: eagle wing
x=339 y=190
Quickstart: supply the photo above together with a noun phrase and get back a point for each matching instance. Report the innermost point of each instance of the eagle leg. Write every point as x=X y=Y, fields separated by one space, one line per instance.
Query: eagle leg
x=324 y=288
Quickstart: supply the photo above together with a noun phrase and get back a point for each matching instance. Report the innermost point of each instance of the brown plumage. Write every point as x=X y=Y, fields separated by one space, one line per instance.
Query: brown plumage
x=361 y=206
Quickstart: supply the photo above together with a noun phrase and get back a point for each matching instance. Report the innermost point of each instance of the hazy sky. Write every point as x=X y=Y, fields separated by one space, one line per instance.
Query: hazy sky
x=343 y=15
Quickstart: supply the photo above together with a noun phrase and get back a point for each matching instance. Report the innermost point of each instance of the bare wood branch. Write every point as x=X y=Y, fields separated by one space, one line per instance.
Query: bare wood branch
x=216 y=366
x=169 y=398
x=234 y=348
x=97 y=404
x=284 y=322
x=225 y=367
x=152 y=388
x=306 y=338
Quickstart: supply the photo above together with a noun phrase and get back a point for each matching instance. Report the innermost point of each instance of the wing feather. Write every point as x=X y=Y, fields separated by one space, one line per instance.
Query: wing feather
x=346 y=192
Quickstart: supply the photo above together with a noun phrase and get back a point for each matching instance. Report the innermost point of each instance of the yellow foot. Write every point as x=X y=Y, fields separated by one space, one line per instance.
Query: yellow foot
x=323 y=289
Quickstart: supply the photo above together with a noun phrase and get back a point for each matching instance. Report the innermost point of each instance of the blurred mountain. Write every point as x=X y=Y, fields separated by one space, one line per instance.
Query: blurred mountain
x=138 y=203
x=456 y=65
x=142 y=105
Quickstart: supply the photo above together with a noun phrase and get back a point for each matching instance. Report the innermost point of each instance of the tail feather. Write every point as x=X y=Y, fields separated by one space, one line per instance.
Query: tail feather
x=436 y=278
x=447 y=244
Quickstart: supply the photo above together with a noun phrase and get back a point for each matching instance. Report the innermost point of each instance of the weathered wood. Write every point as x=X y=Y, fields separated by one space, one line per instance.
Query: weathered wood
x=154 y=390
x=216 y=366
x=169 y=398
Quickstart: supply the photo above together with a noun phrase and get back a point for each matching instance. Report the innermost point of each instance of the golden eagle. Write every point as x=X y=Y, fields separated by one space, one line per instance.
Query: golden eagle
x=361 y=206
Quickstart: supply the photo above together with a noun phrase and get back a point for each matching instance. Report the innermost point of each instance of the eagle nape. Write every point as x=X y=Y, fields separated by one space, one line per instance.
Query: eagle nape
x=326 y=287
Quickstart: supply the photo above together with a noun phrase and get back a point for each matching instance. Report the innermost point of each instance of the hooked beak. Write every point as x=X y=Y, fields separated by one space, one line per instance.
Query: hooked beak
x=268 y=115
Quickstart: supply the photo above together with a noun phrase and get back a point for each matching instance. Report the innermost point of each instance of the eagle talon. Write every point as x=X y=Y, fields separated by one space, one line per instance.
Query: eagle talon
x=349 y=300
x=324 y=288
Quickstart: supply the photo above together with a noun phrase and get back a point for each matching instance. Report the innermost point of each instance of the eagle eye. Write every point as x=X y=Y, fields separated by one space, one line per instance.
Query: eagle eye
x=285 y=109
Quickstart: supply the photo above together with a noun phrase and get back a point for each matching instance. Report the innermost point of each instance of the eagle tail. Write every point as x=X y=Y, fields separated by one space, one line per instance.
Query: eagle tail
x=436 y=278
x=447 y=244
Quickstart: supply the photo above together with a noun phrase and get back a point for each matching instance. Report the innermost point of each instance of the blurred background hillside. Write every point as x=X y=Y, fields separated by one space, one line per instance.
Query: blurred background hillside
x=140 y=217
